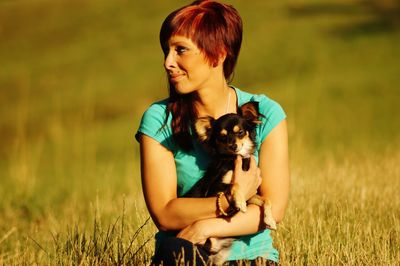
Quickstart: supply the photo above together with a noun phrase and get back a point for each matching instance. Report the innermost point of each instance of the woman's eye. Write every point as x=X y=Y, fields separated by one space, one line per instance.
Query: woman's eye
x=180 y=49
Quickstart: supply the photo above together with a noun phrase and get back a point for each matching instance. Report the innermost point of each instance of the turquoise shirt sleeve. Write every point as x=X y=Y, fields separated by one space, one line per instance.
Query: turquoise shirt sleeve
x=272 y=113
x=153 y=125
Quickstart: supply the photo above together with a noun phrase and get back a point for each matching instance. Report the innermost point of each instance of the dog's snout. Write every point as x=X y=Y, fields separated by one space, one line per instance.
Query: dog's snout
x=233 y=147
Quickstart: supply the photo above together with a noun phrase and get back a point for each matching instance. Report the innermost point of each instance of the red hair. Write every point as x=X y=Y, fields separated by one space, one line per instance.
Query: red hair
x=216 y=29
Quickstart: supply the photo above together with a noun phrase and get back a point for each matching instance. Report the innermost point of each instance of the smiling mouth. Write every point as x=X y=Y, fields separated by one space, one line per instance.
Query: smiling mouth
x=175 y=77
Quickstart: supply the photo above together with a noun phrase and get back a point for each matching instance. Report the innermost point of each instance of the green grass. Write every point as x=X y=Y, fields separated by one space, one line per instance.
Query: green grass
x=75 y=78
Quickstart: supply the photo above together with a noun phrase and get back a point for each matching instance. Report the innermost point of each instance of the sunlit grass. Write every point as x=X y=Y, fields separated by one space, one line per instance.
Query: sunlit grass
x=75 y=79
x=343 y=212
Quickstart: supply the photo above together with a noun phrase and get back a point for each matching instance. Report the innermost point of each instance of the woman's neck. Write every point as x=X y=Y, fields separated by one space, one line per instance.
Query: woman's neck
x=216 y=100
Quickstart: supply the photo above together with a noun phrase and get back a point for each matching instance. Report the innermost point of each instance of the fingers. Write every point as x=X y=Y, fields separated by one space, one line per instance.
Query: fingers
x=253 y=162
x=238 y=163
x=247 y=181
x=253 y=168
x=259 y=179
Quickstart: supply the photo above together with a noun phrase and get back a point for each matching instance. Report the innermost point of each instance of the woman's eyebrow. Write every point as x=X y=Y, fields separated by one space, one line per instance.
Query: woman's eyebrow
x=179 y=43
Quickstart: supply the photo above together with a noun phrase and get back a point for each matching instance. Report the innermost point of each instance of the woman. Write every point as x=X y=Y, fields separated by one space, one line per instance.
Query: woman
x=201 y=44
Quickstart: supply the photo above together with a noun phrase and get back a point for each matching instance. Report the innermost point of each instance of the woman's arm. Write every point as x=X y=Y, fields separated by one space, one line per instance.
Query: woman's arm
x=274 y=165
x=159 y=182
x=241 y=224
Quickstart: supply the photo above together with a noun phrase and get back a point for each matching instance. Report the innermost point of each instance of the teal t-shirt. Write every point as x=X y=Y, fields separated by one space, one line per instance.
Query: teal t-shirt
x=191 y=166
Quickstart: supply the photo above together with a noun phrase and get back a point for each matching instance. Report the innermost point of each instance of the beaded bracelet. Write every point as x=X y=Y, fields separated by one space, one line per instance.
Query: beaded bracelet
x=219 y=205
x=232 y=210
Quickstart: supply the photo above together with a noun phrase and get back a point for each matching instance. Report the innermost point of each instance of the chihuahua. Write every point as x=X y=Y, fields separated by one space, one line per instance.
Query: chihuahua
x=225 y=138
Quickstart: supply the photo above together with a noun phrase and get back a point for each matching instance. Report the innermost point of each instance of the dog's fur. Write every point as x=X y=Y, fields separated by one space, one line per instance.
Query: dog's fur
x=226 y=138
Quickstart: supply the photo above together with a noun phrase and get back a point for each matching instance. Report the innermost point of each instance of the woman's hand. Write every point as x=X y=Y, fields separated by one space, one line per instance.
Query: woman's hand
x=247 y=182
x=197 y=233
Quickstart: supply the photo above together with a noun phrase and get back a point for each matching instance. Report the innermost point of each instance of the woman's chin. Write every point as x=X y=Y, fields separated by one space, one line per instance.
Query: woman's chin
x=182 y=90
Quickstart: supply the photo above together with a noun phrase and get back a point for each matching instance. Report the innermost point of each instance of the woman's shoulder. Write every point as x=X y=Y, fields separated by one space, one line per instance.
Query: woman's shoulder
x=156 y=113
x=266 y=104
x=153 y=122
x=271 y=111
x=158 y=107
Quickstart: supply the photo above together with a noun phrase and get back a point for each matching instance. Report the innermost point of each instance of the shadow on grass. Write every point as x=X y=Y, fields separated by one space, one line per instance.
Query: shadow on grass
x=369 y=17
x=326 y=8
x=372 y=26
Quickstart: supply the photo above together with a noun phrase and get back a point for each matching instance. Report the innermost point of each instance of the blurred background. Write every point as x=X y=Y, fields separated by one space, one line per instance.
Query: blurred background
x=76 y=76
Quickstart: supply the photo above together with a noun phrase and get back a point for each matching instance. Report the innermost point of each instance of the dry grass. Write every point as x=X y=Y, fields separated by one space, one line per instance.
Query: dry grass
x=75 y=78
x=343 y=212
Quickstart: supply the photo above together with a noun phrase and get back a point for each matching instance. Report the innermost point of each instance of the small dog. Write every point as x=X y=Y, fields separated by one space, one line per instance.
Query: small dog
x=226 y=138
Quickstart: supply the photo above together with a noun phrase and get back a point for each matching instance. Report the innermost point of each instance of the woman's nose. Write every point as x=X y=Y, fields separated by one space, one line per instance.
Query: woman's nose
x=169 y=62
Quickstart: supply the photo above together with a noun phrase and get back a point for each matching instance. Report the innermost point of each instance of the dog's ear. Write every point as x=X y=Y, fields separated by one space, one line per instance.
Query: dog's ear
x=250 y=112
x=203 y=127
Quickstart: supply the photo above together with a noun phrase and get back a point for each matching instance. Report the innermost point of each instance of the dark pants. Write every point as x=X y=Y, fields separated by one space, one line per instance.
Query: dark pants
x=178 y=251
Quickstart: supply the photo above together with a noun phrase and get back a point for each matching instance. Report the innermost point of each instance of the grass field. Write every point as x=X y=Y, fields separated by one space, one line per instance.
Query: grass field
x=75 y=77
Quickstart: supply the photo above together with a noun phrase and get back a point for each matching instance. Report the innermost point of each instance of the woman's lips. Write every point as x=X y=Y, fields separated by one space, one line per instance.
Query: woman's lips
x=175 y=77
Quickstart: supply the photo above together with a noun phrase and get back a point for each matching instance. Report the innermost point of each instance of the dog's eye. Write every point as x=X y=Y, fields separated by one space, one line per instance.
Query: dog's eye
x=241 y=133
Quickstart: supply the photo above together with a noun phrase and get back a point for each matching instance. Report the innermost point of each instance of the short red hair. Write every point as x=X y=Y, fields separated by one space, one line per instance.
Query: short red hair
x=215 y=28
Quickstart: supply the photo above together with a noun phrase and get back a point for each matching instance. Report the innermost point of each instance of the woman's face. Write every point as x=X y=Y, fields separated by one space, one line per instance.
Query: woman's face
x=187 y=68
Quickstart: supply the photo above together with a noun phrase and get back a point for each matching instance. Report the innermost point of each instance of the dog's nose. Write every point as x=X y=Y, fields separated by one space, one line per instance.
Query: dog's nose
x=233 y=147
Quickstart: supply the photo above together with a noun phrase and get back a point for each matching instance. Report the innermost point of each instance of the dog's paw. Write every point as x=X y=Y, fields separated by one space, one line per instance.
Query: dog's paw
x=238 y=199
x=227 y=178
x=241 y=205
x=268 y=218
x=220 y=257
x=215 y=245
x=256 y=200
x=219 y=249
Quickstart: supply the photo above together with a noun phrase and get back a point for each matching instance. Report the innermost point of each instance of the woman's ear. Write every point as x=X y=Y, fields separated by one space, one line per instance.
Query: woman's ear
x=221 y=59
